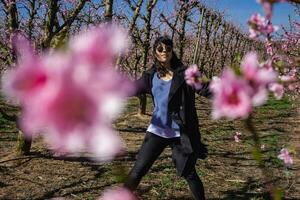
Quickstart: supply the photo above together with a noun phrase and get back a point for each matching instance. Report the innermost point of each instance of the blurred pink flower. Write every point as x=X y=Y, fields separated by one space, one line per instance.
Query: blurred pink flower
x=267 y=65
x=192 y=77
x=249 y=66
x=258 y=78
x=267 y=6
x=107 y=144
x=285 y=156
x=99 y=45
x=215 y=84
x=73 y=103
x=119 y=193
x=231 y=96
x=277 y=89
x=259 y=96
x=22 y=45
x=27 y=80
x=29 y=77
x=73 y=96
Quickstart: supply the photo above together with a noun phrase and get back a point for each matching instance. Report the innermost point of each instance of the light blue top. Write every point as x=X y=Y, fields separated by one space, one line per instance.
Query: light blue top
x=161 y=123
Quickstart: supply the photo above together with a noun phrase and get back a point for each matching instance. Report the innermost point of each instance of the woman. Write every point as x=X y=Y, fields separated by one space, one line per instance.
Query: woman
x=174 y=121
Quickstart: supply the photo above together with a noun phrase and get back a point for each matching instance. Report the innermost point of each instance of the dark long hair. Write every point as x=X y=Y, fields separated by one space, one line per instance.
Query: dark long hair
x=175 y=61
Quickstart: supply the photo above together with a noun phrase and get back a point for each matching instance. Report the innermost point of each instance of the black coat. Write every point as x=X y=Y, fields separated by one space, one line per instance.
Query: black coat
x=181 y=108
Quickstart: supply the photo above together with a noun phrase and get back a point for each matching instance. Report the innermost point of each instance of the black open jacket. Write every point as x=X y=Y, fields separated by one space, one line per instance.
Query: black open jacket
x=181 y=107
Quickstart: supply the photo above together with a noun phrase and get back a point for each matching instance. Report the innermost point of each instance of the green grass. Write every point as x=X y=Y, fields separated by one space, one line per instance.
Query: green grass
x=274 y=136
x=273 y=144
x=273 y=103
x=133 y=104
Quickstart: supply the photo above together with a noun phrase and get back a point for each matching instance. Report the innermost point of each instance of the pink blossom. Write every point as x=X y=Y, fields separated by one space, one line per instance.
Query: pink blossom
x=258 y=77
x=237 y=136
x=25 y=81
x=70 y=102
x=23 y=47
x=260 y=25
x=215 y=84
x=72 y=99
x=285 y=156
x=259 y=96
x=270 y=49
x=98 y=45
x=253 y=33
x=107 y=144
x=250 y=66
x=285 y=47
x=119 y=193
x=290 y=76
x=29 y=77
x=192 y=77
x=267 y=6
x=235 y=95
x=293 y=86
x=267 y=65
x=277 y=89
x=231 y=96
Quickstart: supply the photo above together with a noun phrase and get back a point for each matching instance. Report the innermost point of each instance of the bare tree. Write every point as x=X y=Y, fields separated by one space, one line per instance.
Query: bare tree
x=108 y=10
x=146 y=46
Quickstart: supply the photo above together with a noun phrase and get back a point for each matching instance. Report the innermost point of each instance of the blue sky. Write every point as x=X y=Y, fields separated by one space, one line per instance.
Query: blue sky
x=239 y=11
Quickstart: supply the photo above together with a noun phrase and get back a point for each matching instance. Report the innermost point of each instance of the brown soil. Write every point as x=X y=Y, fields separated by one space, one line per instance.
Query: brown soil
x=230 y=172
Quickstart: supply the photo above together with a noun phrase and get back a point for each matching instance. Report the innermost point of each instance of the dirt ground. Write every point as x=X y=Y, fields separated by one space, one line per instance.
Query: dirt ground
x=229 y=172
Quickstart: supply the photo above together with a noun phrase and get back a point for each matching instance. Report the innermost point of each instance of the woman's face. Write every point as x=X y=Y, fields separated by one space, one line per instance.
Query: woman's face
x=163 y=53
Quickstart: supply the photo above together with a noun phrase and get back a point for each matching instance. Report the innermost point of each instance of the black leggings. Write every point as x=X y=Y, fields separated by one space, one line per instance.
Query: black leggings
x=152 y=147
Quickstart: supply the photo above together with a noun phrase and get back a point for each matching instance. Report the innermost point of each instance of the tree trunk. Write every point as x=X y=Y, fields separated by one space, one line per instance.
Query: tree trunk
x=198 y=43
x=146 y=47
x=108 y=10
x=23 y=144
x=143 y=104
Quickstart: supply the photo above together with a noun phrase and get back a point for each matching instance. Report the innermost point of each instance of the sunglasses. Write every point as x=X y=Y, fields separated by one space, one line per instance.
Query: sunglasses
x=160 y=49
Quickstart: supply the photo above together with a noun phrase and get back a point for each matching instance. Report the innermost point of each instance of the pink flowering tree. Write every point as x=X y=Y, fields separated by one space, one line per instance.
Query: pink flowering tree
x=241 y=88
x=288 y=62
x=238 y=91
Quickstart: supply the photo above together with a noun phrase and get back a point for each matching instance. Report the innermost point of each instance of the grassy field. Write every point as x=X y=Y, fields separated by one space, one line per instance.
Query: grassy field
x=230 y=172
